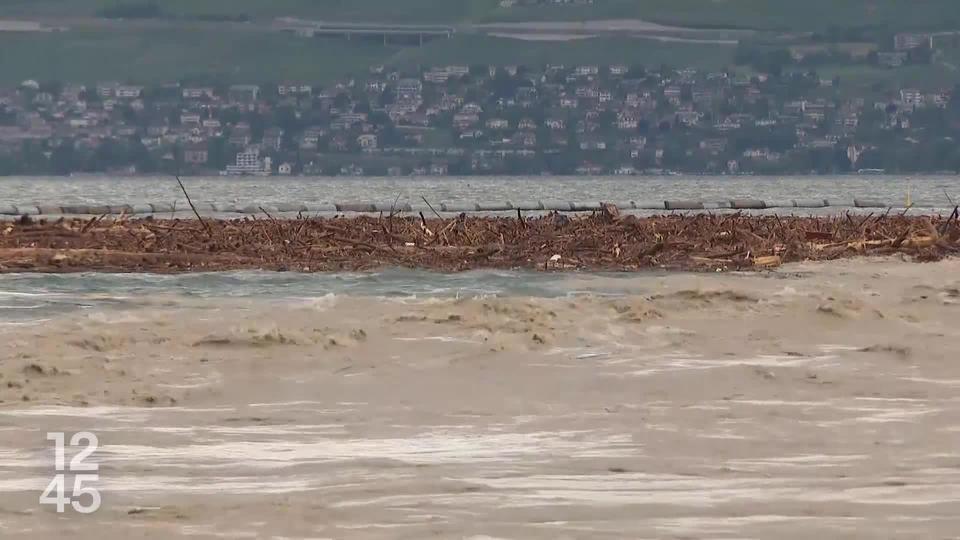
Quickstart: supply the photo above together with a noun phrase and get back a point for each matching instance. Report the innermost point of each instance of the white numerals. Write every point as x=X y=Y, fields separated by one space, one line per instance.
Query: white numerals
x=55 y=493
x=84 y=498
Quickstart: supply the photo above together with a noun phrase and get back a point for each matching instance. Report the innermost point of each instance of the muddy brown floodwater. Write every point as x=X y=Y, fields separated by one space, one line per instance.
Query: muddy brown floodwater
x=817 y=400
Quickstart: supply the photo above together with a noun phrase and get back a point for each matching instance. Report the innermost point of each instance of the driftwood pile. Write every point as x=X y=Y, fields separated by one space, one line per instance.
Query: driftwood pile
x=602 y=241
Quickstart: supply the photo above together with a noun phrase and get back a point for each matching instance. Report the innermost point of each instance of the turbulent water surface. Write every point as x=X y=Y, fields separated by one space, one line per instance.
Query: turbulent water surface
x=817 y=400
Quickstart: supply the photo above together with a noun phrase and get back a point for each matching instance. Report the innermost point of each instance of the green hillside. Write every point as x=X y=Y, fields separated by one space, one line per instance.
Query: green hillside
x=489 y=50
x=148 y=57
x=165 y=55
x=363 y=10
x=174 y=48
x=760 y=14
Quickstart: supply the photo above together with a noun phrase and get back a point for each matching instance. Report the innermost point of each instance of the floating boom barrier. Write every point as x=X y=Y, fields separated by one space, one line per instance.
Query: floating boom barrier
x=446 y=207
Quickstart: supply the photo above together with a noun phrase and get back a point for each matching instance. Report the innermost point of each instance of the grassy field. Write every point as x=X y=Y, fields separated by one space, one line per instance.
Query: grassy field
x=157 y=56
x=250 y=54
x=488 y=50
x=760 y=14
x=149 y=57
x=867 y=81
x=792 y=15
x=951 y=55
x=361 y=10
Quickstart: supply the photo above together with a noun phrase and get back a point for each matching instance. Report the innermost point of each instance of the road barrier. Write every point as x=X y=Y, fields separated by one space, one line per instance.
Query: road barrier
x=182 y=208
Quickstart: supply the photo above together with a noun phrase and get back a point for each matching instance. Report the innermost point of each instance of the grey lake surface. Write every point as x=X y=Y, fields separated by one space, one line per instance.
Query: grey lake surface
x=924 y=191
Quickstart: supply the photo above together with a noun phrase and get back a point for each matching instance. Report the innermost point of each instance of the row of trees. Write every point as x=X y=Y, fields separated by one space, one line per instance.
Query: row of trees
x=150 y=9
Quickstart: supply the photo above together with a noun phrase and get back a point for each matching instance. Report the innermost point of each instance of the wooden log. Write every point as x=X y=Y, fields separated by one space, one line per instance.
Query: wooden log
x=770 y=261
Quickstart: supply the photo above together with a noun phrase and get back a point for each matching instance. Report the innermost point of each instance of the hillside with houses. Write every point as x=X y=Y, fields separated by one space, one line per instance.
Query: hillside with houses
x=589 y=119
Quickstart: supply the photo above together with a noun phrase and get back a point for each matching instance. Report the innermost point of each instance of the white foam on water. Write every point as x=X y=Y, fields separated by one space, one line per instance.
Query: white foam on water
x=646 y=489
x=724 y=435
x=475 y=499
x=207 y=530
x=319 y=303
x=362 y=526
x=942 y=382
x=317 y=407
x=428 y=448
x=442 y=339
x=119 y=414
x=893 y=400
x=16 y=294
x=803 y=460
x=833 y=348
x=20 y=459
x=699 y=363
x=128 y=317
x=698 y=525
x=15 y=324
x=589 y=356
x=882 y=416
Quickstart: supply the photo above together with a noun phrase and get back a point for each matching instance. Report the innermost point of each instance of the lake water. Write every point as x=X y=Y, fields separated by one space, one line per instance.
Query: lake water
x=33 y=298
x=925 y=191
